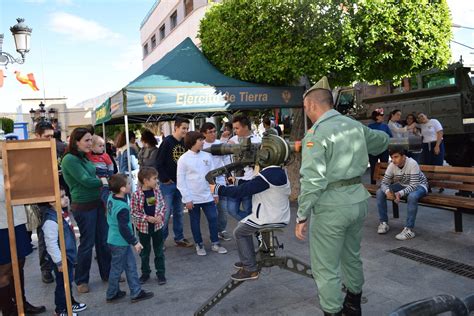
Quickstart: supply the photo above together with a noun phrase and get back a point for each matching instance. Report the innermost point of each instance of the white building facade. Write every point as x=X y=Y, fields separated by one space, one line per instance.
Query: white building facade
x=167 y=24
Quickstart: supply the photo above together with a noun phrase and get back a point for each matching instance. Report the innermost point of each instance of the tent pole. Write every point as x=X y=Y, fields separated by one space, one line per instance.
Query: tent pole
x=305 y=121
x=128 y=149
x=103 y=132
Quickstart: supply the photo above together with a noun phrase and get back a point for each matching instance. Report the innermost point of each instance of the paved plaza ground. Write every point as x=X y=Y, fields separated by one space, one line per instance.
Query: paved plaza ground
x=391 y=280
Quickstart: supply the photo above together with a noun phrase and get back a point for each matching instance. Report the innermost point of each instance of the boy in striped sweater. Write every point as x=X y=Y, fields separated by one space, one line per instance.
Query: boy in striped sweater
x=403 y=178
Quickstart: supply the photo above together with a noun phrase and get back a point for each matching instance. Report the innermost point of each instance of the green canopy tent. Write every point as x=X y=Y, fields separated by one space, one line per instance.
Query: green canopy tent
x=184 y=82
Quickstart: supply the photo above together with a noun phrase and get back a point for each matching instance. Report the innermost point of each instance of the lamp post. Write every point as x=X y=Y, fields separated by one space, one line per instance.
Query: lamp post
x=22 y=34
x=41 y=115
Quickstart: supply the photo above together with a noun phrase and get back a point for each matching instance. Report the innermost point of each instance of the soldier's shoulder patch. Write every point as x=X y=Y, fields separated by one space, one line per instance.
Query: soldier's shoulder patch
x=309 y=144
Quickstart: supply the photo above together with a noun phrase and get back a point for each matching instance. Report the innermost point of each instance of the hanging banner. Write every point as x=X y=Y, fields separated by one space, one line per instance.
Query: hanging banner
x=102 y=113
x=208 y=99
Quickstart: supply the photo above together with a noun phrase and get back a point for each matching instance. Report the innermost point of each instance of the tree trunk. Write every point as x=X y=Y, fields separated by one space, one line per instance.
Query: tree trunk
x=297 y=133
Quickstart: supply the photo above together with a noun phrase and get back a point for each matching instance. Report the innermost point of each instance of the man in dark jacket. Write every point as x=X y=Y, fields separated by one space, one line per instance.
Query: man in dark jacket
x=169 y=152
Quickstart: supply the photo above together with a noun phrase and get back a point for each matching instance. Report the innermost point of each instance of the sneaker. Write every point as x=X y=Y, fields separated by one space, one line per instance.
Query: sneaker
x=224 y=235
x=47 y=277
x=200 y=250
x=64 y=313
x=383 y=228
x=218 y=248
x=143 y=278
x=83 y=288
x=406 y=233
x=238 y=265
x=161 y=280
x=184 y=243
x=119 y=295
x=78 y=307
x=244 y=275
x=143 y=295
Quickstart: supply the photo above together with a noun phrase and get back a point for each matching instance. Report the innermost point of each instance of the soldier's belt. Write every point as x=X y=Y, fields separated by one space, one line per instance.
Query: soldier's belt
x=344 y=183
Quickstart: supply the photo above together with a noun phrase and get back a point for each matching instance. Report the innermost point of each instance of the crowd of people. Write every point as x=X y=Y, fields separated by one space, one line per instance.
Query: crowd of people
x=430 y=130
x=403 y=177
x=121 y=198
x=123 y=203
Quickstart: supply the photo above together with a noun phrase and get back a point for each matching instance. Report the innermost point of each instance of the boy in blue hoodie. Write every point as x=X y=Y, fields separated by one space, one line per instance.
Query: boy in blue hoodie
x=51 y=238
x=270 y=191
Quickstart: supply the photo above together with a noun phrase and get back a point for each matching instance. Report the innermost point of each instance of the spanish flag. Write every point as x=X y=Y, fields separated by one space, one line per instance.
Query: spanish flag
x=29 y=80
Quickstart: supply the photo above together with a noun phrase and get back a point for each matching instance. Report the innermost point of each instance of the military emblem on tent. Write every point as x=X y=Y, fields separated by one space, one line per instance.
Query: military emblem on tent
x=149 y=99
x=286 y=95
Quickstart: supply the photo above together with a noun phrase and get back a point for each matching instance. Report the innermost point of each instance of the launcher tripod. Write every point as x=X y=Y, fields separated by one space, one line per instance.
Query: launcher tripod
x=266 y=258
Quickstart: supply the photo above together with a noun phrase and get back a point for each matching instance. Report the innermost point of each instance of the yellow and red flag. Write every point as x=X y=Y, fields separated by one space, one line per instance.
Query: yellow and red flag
x=29 y=80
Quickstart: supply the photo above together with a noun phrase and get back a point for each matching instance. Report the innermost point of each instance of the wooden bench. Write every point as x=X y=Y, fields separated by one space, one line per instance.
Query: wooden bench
x=459 y=179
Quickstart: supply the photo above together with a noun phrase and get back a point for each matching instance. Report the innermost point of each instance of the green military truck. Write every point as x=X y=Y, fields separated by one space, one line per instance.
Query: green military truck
x=446 y=95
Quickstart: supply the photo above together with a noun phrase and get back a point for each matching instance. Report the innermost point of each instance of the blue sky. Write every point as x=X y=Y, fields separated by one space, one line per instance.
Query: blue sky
x=87 y=48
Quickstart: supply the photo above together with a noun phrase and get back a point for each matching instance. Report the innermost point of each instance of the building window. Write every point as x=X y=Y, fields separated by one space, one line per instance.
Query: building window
x=188 y=7
x=145 y=50
x=174 y=19
x=162 y=32
x=153 y=42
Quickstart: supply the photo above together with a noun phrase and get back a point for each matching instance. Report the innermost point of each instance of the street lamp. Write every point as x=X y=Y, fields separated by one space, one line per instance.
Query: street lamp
x=41 y=115
x=52 y=114
x=42 y=111
x=22 y=34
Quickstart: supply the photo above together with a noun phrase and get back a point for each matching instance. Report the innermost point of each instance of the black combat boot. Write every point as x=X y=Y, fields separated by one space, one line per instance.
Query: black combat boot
x=351 y=305
x=332 y=314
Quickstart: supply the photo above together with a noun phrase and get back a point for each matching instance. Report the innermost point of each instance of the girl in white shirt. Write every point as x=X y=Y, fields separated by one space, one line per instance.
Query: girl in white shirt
x=433 y=145
x=195 y=191
x=396 y=128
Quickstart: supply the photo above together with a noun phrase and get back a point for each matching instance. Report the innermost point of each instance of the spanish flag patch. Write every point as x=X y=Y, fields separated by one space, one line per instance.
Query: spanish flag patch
x=309 y=144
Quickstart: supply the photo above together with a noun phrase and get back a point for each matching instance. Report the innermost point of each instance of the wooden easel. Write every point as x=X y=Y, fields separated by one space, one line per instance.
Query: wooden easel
x=30 y=174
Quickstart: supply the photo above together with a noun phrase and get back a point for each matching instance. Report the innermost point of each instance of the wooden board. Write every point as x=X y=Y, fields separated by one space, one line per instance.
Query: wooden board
x=31 y=176
x=30 y=172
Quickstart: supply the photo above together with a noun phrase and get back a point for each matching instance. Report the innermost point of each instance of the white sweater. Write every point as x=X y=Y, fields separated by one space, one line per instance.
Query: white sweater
x=398 y=131
x=191 y=177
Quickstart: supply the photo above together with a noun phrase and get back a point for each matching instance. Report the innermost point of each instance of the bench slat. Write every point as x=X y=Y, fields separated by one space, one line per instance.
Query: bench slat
x=450 y=177
x=438 y=169
x=451 y=185
x=448 y=169
x=453 y=201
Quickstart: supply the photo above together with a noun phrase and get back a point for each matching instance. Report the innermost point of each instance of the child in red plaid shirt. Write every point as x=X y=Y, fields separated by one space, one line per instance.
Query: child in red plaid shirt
x=148 y=211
